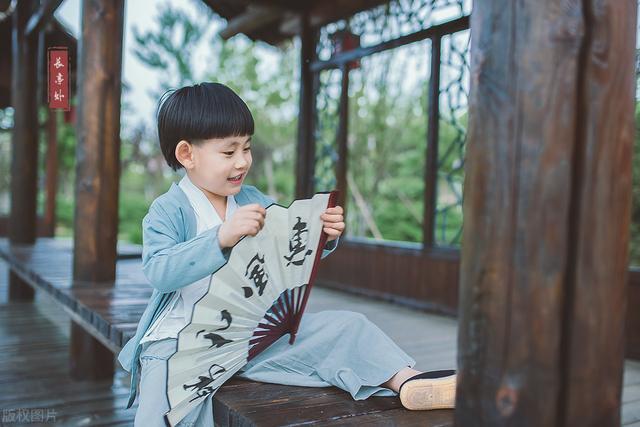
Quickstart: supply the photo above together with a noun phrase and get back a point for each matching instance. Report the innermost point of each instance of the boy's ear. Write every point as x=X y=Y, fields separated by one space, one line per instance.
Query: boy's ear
x=184 y=154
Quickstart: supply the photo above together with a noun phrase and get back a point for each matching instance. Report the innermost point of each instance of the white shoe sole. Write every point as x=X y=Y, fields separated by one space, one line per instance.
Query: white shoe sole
x=429 y=393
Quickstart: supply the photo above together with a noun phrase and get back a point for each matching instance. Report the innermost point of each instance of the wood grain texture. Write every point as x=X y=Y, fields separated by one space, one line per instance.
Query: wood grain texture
x=97 y=171
x=595 y=304
x=110 y=309
x=405 y=273
x=24 y=152
x=98 y=148
x=546 y=208
x=24 y=140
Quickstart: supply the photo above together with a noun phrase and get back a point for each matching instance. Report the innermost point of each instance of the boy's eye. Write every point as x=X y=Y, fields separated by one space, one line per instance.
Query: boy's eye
x=230 y=153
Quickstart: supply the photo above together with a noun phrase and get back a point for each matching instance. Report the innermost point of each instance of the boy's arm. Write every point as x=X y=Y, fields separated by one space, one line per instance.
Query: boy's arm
x=328 y=247
x=170 y=264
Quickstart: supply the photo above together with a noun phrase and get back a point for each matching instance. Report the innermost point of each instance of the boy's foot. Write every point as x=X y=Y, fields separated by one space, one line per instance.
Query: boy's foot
x=429 y=390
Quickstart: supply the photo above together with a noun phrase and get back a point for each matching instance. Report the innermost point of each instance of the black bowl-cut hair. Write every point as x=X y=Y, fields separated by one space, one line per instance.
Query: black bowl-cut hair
x=199 y=112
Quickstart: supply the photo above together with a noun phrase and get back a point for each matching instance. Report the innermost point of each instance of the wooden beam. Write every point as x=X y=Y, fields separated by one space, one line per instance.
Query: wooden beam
x=98 y=168
x=439 y=30
x=24 y=162
x=547 y=210
x=43 y=15
x=305 y=160
x=254 y=18
x=261 y=13
x=325 y=12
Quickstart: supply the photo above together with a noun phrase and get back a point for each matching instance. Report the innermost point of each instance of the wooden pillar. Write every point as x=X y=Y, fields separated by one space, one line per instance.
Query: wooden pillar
x=98 y=167
x=546 y=214
x=433 y=132
x=342 y=139
x=51 y=155
x=51 y=174
x=24 y=162
x=305 y=153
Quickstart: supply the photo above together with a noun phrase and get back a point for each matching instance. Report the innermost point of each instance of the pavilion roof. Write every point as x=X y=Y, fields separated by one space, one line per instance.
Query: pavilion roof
x=275 y=21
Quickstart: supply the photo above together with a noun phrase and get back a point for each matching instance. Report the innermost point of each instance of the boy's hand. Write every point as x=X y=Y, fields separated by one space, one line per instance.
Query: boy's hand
x=333 y=222
x=246 y=220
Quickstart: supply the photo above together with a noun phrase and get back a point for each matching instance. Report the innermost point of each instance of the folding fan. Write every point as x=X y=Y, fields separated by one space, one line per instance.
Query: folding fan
x=256 y=297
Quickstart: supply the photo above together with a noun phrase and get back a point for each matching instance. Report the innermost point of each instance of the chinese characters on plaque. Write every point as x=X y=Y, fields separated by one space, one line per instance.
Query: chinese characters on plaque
x=58 y=81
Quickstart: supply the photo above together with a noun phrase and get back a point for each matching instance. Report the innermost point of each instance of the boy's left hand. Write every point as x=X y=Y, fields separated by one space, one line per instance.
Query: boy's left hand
x=333 y=222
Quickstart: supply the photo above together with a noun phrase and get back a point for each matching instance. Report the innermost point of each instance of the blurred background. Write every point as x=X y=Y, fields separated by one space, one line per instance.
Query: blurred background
x=169 y=44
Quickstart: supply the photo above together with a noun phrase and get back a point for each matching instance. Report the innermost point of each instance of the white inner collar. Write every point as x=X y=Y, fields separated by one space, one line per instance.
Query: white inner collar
x=206 y=214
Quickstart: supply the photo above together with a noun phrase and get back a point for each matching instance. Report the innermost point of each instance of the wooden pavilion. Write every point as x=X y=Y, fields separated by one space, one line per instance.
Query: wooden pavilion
x=49 y=33
x=547 y=306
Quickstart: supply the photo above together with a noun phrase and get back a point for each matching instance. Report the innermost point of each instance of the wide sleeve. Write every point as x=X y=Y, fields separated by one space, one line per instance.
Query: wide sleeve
x=170 y=264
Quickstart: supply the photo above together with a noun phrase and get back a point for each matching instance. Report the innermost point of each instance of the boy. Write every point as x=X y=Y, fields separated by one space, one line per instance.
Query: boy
x=188 y=234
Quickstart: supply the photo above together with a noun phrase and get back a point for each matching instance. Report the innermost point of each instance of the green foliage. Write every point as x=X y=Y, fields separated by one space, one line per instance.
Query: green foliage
x=64 y=216
x=170 y=46
x=132 y=208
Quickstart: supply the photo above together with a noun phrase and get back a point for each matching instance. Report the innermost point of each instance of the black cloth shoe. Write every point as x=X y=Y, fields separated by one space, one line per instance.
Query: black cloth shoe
x=429 y=390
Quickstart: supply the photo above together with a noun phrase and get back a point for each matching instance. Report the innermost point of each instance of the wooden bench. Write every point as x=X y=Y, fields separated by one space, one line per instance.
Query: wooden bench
x=110 y=313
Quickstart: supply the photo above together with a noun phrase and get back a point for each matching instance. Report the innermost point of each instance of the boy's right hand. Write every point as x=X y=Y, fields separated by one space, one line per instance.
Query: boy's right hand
x=247 y=220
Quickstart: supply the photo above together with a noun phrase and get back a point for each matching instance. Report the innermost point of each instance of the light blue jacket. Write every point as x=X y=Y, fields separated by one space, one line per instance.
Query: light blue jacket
x=173 y=257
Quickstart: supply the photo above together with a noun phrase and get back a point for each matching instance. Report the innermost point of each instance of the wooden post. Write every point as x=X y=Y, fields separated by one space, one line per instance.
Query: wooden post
x=24 y=162
x=51 y=173
x=342 y=138
x=433 y=132
x=547 y=211
x=98 y=167
x=51 y=155
x=305 y=153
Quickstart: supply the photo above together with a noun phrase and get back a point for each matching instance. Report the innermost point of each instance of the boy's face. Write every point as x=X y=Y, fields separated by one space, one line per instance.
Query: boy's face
x=216 y=160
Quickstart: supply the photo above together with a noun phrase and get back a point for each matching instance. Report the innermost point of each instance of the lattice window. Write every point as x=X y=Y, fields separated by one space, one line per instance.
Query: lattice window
x=327 y=104
x=374 y=194
x=453 y=99
x=394 y=19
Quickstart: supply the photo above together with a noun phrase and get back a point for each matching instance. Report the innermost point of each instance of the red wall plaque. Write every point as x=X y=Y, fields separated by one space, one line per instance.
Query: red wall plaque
x=58 y=78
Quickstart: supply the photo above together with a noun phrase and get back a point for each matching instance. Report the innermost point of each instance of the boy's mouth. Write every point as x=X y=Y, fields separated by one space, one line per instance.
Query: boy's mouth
x=236 y=179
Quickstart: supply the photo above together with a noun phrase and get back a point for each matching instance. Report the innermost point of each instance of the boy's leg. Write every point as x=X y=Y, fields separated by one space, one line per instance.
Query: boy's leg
x=152 y=400
x=333 y=348
x=399 y=378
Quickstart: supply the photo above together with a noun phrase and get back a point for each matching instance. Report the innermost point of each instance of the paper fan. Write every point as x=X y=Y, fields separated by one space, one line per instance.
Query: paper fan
x=256 y=297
